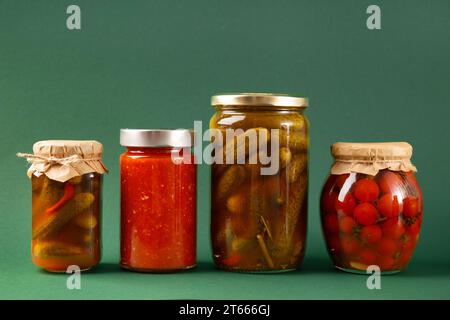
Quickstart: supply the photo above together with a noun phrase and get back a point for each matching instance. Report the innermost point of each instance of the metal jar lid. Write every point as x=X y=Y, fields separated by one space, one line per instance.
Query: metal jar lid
x=179 y=138
x=259 y=99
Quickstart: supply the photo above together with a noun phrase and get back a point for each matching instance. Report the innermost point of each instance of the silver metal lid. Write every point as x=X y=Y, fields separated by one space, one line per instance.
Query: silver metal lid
x=156 y=138
x=259 y=99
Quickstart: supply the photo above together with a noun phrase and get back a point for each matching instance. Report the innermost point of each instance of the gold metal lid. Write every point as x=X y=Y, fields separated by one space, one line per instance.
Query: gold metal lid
x=259 y=99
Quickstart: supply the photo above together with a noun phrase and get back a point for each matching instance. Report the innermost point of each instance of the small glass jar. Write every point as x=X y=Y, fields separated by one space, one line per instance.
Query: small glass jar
x=371 y=207
x=66 y=180
x=259 y=218
x=158 y=200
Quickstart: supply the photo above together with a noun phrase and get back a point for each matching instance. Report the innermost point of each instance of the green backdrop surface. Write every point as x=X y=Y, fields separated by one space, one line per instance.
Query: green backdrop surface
x=155 y=64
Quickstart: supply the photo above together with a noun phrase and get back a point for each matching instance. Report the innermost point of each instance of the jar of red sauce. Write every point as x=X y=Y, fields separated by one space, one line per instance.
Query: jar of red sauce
x=158 y=200
x=371 y=207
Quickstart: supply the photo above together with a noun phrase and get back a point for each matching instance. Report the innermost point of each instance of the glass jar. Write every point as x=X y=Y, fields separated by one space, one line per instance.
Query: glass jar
x=371 y=207
x=66 y=180
x=259 y=207
x=158 y=200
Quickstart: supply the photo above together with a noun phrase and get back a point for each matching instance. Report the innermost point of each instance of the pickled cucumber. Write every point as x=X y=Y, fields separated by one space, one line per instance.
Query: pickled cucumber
x=49 y=193
x=236 y=203
x=240 y=145
x=51 y=249
x=37 y=183
x=271 y=120
x=294 y=140
x=297 y=196
x=285 y=157
x=76 y=180
x=230 y=180
x=86 y=220
x=297 y=166
x=55 y=221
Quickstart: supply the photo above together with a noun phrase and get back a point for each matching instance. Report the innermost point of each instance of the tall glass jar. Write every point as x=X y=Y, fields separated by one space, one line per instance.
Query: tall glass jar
x=259 y=182
x=66 y=180
x=158 y=200
x=371 y=207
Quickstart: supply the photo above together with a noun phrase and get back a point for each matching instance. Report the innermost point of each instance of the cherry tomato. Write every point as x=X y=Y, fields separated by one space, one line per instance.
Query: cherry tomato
x=371 y=234
x=410 y=207
x=414 y=229
x=329 y=202
x=340 y=180
x=389 y=206
x=393 y=228
x=347 y=206
x=347 y=224
x=387 y=247
x=350 y=245
x=385 y=263
x=405 y=258
x=412 y=181
x=331 y=223
x=410 y=243
x=365 y=214
x=366 y=190
x=390 y=181
x=367 y=256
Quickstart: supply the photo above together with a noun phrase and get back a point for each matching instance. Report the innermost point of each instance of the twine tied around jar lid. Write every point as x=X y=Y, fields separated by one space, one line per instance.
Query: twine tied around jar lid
x=62 y=160
x=370 y=158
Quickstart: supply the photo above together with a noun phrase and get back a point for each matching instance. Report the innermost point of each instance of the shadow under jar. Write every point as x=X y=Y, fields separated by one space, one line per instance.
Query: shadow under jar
x=66 y=179
x=259 y=206
x=371 y=207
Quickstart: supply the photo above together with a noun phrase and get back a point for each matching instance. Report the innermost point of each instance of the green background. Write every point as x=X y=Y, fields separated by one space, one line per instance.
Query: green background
x=155 y=64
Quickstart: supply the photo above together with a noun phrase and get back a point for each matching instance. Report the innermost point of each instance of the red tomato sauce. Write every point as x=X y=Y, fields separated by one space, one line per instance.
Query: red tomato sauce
x=158 y=210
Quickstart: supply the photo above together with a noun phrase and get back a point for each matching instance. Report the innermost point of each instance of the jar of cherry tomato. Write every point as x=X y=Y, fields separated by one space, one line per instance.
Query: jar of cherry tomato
x=371 y=207
x=158 y=200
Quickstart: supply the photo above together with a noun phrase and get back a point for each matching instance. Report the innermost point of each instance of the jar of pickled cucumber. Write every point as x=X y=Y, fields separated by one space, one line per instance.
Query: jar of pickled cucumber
x=259 y=181
x=66 y=179
x=371 y=207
